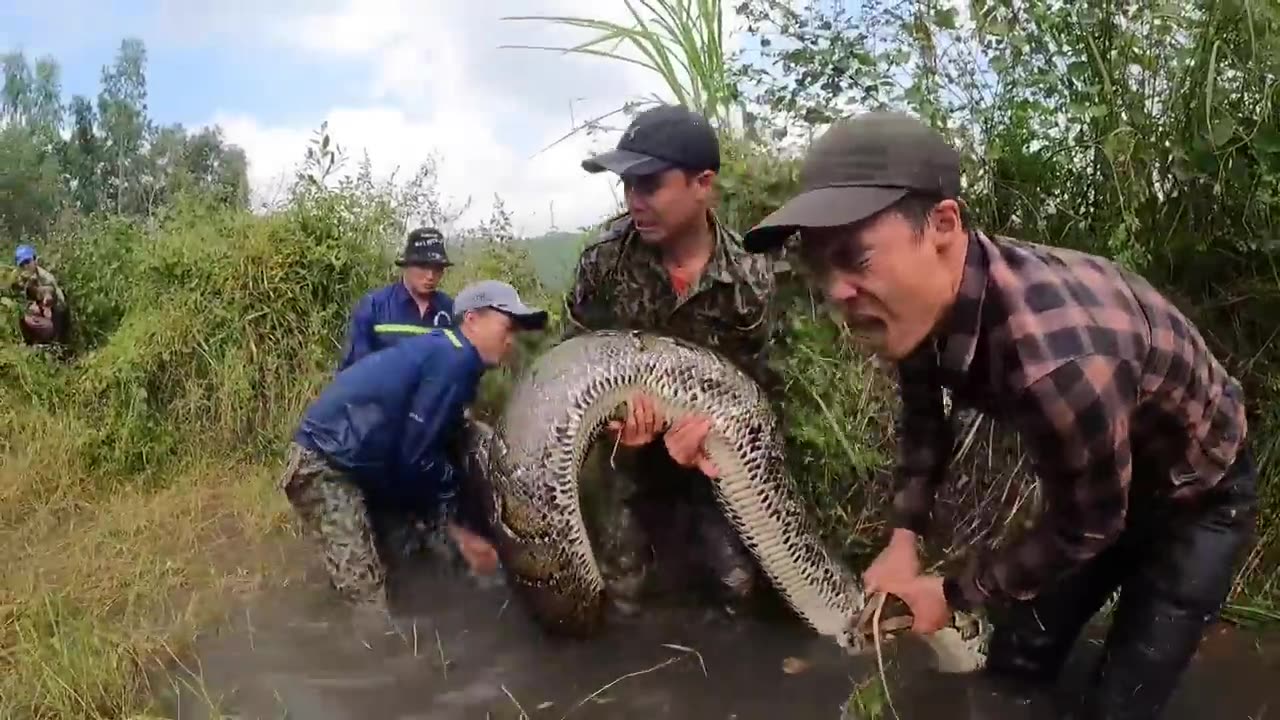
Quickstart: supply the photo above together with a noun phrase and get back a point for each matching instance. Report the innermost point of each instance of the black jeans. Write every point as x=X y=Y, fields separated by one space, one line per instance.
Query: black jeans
x=1173 y=564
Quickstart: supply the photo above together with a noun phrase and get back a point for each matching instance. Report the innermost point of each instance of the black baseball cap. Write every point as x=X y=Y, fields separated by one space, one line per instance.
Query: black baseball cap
x=857 y=168
x=424 y=246
x=658 y=139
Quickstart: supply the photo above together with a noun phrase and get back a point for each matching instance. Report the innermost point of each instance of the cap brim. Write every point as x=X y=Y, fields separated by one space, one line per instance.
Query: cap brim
x=625 y=162
x=821 y=207
x=526 y=317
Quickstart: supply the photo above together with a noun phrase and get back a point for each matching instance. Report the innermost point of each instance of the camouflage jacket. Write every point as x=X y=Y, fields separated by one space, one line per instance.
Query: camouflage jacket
x=38 y=284
x=621 y=284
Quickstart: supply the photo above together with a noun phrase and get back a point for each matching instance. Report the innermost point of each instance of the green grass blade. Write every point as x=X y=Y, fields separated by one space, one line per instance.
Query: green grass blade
x=580 y=51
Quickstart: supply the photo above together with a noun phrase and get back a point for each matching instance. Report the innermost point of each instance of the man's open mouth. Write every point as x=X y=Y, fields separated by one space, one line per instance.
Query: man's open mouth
x=865 y=323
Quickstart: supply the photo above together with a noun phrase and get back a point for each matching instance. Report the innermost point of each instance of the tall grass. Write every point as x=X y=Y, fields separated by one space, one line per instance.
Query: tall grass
x=137 y=480
x=682 y=41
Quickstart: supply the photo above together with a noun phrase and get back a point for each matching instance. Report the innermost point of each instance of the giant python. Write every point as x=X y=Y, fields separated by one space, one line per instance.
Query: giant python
x=560 y=406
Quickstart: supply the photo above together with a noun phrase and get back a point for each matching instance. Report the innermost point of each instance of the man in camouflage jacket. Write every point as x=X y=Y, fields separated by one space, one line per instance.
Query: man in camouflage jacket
x=667 y=265
x=47 y=317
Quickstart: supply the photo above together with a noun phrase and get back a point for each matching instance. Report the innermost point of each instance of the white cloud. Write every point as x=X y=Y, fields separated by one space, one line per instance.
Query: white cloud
x=439 y=82
x=472 y=163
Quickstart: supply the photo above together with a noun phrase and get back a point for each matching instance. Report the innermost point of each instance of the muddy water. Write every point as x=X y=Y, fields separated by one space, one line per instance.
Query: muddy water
x=299 y=655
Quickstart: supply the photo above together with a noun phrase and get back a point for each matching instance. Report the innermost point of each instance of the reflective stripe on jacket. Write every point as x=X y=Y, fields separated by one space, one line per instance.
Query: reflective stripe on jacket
x=388 y=315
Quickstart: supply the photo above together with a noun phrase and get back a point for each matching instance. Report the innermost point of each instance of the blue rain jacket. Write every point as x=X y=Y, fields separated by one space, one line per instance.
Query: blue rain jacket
x=387 y=420
x=389 y=314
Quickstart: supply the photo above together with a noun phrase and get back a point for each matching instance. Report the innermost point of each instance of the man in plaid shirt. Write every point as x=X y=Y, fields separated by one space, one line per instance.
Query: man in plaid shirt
x=1136 y=431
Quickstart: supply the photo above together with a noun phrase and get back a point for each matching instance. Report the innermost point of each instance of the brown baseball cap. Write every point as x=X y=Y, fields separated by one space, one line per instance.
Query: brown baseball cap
x=858 y=167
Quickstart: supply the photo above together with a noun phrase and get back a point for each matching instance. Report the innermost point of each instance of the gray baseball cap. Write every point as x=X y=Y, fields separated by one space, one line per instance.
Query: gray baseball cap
x=502 y=297
x=857 y=168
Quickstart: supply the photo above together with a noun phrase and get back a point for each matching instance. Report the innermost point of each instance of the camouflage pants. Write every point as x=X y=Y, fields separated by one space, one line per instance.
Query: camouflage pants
x=334 y=514
x=360 y=541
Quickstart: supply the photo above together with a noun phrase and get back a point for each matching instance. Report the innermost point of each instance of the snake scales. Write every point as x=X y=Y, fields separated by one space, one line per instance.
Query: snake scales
x=561 y=405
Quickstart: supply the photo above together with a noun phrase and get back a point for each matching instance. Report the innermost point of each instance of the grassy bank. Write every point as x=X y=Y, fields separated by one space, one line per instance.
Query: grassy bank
x=137 y=478
x=135 y=486
x=99 y=590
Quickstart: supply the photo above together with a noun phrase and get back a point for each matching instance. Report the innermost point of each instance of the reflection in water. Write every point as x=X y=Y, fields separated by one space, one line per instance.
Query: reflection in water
x=299 y=655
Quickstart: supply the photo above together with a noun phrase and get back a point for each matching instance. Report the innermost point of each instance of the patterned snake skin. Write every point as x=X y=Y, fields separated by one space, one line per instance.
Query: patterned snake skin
x=560 y=407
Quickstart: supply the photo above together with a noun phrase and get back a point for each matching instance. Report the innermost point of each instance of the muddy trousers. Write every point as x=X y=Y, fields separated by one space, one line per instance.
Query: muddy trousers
x=1173 y=565
x=334 y=515
x=360 y=541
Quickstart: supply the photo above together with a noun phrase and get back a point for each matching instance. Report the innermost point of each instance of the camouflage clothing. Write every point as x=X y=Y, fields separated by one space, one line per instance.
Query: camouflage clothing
x=46 y=318
x=33 y=285
x=333 y=513
x=621 y=284
x=362 y=543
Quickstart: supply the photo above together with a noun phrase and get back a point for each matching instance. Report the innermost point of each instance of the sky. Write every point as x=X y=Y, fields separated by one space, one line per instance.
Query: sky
x=399 y=79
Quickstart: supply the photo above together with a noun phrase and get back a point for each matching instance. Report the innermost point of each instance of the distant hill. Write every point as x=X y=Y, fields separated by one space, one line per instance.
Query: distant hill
x=555 y=254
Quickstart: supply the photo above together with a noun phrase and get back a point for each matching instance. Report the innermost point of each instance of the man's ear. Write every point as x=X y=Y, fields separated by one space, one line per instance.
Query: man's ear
x=947 y=225
x=705 y=180
x=946 y=216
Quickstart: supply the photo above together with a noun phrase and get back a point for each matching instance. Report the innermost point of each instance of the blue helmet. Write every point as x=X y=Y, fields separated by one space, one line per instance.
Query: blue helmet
x=23 y=254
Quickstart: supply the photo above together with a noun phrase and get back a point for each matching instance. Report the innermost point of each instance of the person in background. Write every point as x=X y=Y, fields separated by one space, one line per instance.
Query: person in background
x=372 y=449
x=1135 y=429
x=668 y=265
x=412 y=306
x=47 y=318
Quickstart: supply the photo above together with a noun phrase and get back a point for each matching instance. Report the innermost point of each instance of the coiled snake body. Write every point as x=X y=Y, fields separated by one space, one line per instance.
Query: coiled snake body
x=561 y=405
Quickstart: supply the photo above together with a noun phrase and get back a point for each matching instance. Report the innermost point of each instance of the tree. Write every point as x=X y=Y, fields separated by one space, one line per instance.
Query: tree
x=82 y=157
x=30 y=119
x=178 y=162
x=30 y=98
x=122 y=112
x=30 y=185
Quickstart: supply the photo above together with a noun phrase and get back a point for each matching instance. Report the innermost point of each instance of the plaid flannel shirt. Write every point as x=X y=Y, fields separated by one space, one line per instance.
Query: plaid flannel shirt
x=1091 y=364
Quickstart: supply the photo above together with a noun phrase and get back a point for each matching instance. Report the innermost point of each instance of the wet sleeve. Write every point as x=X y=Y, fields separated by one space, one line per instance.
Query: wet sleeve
x=1076 y=420
x=924 y=443
x=434 y=412
x=360 y=341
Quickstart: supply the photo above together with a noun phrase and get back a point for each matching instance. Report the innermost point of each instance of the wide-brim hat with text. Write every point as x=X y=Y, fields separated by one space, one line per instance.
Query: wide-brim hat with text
x=424 y=246
x=858 y=167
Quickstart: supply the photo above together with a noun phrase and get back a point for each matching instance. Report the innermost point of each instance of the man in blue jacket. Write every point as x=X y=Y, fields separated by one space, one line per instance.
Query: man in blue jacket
x=375 y=444
x=412 y=306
